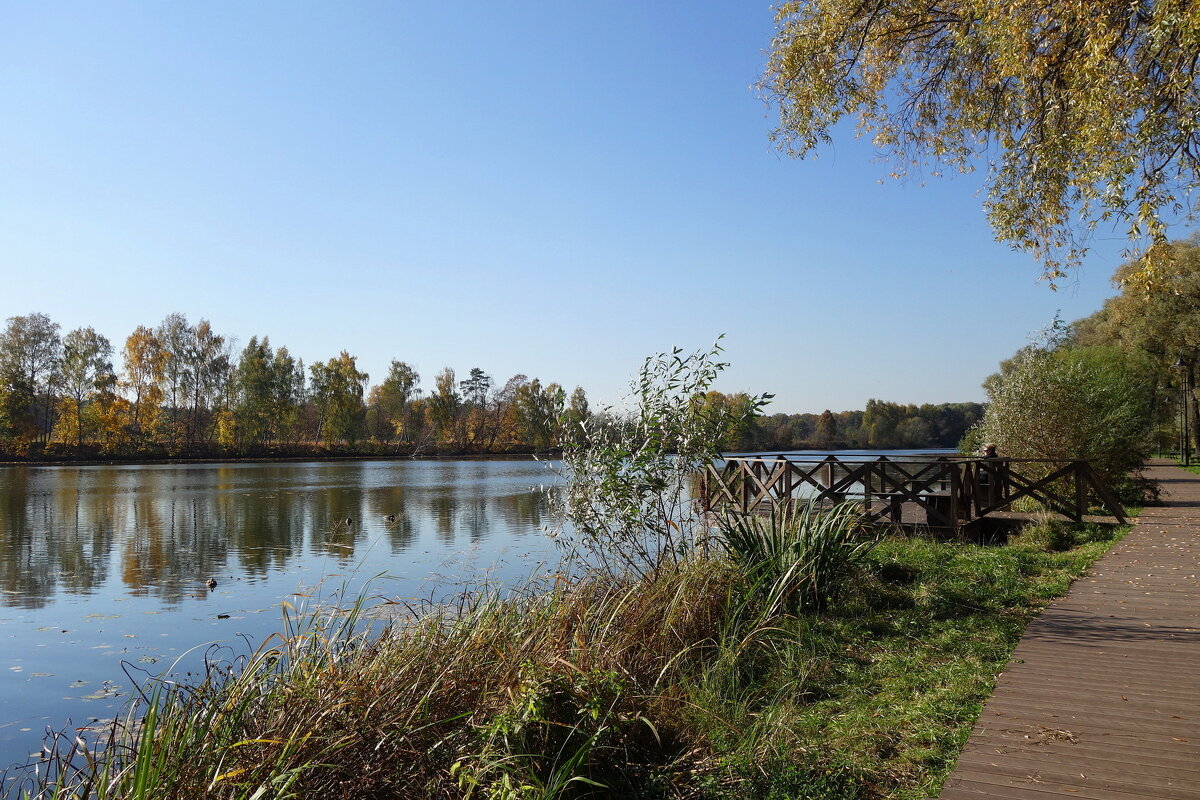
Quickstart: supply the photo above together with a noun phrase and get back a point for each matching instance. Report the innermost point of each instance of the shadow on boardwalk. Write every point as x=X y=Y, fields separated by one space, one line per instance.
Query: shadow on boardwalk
x=1102 y=696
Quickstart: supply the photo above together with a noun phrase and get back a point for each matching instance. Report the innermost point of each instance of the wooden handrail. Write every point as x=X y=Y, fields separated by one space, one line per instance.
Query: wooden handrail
x=952 y=490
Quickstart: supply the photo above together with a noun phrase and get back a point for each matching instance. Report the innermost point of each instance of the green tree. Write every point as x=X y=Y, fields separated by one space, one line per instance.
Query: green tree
x=337 y=392
x=478 y=414
x=30 y=360
x=476 y=387
x=576 y=416
x=86 y=373
x=1083 y=112
x=827 y=429
x=629 y=491
x=444 y=406
x=539 y=410
x=1061 y=402
x=288 y=394
x=254 y=394
x=390 y=403
x=176 y=338
x=879 y=423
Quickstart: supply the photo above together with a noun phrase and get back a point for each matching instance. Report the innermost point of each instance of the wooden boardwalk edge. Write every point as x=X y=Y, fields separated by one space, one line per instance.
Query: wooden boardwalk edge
x=1101 y=699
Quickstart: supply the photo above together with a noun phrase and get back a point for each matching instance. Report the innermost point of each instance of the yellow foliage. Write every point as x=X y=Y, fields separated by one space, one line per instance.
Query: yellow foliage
x=1083 y=111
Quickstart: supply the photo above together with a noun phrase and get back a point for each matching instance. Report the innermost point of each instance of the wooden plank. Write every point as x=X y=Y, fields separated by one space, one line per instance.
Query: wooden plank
x=1102 y=697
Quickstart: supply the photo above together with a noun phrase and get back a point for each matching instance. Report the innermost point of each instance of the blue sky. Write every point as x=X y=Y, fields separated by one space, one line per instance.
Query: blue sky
x=552 y=189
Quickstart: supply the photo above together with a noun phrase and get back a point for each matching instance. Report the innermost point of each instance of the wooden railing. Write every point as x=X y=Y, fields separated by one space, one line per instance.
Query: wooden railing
x=952 y=491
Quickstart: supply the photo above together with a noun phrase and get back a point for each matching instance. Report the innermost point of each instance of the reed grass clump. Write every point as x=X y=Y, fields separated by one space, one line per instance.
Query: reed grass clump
x=795 y=557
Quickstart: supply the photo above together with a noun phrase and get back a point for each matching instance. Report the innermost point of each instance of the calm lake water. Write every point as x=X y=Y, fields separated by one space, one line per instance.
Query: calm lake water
x=103 y=568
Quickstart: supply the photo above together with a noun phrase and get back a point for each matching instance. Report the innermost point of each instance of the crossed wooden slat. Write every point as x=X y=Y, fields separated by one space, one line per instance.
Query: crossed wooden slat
x=746 y=482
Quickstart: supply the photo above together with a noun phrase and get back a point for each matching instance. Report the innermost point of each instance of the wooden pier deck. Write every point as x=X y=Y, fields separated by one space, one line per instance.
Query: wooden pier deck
x=1102 y=696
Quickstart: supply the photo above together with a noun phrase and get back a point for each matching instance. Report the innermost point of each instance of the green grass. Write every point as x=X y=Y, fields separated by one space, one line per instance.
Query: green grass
x=687 y=683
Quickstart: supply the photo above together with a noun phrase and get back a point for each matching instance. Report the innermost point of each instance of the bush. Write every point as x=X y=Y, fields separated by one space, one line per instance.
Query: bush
x=628 y=487
x=1091 y=403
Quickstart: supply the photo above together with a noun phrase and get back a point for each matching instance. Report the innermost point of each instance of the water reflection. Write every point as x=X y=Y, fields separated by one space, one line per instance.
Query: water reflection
x=161 y=530
x=104 y=567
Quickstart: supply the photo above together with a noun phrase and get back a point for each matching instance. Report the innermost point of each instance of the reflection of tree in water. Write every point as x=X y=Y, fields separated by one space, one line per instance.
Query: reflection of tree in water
x=51 y=537
x=173 y=527
x=390 y=500
x=443 y=506
x=329 y=508
x=523 y=512
x=475 y=517
x=25 y=561
x=173 y=545
x=266 y=528
x=85 y=532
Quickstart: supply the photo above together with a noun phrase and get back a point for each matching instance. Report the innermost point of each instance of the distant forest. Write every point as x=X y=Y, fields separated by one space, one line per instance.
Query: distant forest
x=182 y=390
x=881 y=425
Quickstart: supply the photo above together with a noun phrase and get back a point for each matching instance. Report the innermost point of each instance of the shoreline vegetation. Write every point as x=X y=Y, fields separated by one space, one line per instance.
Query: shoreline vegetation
x=670 y=656
x=744 y=673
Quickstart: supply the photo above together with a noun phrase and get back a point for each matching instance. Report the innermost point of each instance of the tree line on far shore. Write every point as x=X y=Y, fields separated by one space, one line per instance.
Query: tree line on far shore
x=882 y=425
x=180 y=389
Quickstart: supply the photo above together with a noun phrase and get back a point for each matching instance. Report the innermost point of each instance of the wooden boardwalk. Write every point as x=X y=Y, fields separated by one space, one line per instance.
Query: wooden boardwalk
x=1102 y=696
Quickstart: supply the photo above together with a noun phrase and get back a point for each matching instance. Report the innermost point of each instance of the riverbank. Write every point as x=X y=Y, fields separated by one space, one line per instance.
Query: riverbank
x=685 y=683
x=291 y=459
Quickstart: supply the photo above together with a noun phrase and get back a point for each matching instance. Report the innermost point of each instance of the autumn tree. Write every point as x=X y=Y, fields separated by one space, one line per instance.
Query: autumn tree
x=1161 y=321
x=508 y=431
x=730 y=418
x=1083 y=112
x=142 y=379
x=209 y=367
x=478 y=414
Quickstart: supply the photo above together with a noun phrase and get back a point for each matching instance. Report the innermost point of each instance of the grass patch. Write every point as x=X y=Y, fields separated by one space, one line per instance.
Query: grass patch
x=686 y=682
